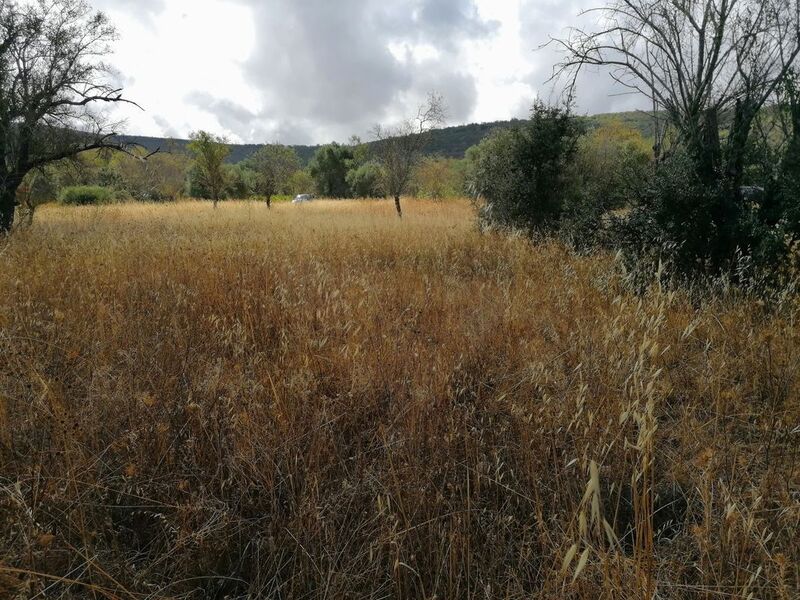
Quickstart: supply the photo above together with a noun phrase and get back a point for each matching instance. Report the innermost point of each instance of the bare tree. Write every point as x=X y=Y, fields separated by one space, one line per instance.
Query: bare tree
x=398 y=149
x=52 y=75
x=698 y=61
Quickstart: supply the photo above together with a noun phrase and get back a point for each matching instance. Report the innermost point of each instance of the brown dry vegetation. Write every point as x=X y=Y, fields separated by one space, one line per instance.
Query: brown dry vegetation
x=323 y=401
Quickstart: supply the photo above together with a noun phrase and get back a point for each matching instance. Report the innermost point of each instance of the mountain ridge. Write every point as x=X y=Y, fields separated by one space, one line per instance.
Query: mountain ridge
x=448 y=142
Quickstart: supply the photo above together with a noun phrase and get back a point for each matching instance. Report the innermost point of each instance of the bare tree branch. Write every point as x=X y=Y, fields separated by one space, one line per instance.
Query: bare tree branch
x=398 y=149
x=52 y=78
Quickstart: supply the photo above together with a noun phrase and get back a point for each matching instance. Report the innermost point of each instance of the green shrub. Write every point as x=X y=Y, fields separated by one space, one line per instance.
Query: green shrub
x=701 y=230
x=524 y=174
x=80 y=195
x=366 y=181
x=329 y=169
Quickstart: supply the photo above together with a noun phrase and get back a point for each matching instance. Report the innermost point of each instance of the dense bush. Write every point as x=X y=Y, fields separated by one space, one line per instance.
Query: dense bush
x=300 y=183
x=86 y=194
x=524 y=175
x=240 y=181
x=711 y=222
x=702 y=229
x=329 y=169
x=162 y=177
x=611 y=161
x=365 y=181
x=437 y=178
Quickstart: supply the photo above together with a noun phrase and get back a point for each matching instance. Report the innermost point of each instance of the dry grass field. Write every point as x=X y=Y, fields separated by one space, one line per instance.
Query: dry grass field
x=323 y=401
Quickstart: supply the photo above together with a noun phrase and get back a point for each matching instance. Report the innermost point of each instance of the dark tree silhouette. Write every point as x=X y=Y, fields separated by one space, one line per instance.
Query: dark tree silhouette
x=698 y=61
x=52 y=78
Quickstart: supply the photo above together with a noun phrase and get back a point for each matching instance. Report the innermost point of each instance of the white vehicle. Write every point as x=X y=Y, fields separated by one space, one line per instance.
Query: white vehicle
x=302 y=199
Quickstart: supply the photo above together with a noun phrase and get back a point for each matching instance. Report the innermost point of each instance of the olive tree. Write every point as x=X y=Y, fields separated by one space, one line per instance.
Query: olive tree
x=52 y=78
x=210 y=153
x=274 y=165
x=398 y=149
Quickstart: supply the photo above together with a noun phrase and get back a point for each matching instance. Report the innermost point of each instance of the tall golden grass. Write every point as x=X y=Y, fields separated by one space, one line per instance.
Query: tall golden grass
x=324 y=401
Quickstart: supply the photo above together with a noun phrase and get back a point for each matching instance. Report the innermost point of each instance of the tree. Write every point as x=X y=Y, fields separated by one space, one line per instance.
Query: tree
x=399 y=149
x=709 y=68
x=51 y=77
x=329 y=169
x=366 y=181
x=38 y=187
x=240 y=182
x=162 y=177
x=524 y=174
x=300 y=183
x=438 y=178
x=210 y=152
x=697 y=61
x=274 y=165
x=611 y=160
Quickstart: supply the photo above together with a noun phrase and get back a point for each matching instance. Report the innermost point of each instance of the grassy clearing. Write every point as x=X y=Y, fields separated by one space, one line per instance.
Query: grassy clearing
x=323 y=401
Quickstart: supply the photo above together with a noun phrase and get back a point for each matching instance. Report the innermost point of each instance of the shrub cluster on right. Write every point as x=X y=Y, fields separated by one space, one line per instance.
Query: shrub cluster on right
x=716 y=194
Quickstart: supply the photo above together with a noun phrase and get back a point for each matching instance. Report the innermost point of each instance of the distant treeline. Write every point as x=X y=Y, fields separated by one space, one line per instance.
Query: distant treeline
x=449 y=142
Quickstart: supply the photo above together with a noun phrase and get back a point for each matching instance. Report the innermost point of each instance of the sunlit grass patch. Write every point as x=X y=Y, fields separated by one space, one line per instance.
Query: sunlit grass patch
x=327 y=401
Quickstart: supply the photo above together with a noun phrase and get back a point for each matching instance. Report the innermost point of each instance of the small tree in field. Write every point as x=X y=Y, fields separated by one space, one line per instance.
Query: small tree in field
x=399 y=149
x=51 y=77
x=210 y=152
x=274 y=165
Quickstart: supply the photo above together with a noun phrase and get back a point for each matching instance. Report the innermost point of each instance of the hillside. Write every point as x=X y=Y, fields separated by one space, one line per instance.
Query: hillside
x=450 y=142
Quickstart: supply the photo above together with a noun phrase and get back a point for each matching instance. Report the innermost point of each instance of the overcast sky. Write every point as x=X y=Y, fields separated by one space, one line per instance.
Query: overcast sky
x=315 y=71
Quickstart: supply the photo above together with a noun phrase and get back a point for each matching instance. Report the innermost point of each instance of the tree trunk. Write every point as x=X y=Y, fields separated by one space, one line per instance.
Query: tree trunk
x=269 y=201
x=8 y=202
x=29 y=214
x=397 y=205
x=737 y=143
x=708 y=148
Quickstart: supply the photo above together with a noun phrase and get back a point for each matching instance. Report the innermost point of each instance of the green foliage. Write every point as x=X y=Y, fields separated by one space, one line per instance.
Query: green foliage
x=366 y=181
x=611 y=161
x=240 y=182
x=300 y=182
x=272 y=167
x=85 y=195
x=524 y=174
x=437 y=178
x=697 y=228
x=700 y=220
x=777 y=158
x=329 y=169
x=160 y=178
x=208 y=173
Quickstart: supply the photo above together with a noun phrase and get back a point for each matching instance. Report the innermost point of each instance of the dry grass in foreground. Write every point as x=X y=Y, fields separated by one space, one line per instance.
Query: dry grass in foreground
x=323 y=401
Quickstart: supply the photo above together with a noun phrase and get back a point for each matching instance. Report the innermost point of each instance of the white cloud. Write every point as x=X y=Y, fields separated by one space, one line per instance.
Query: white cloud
x=302 y=71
